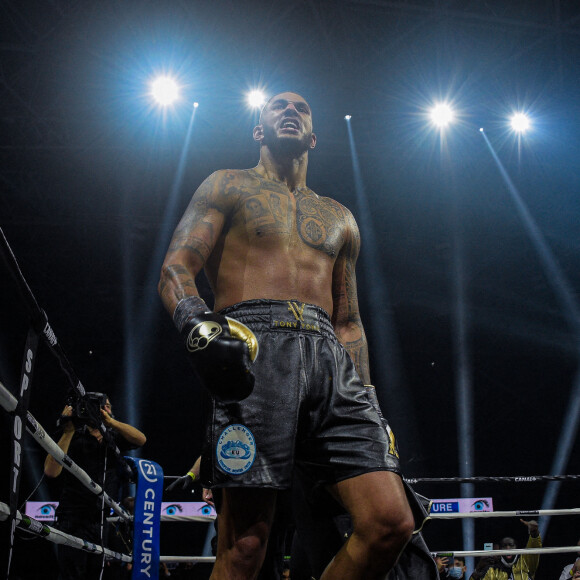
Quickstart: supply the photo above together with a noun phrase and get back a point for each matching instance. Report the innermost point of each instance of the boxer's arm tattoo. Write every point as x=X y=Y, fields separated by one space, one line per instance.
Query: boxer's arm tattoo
x=195 y=237
x=359 y=353
x=346 y=315
x=176 y=283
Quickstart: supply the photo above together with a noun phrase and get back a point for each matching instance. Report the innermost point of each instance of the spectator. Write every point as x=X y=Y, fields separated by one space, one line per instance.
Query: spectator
x=512 y=566
x=567 y=571
x=447 y=569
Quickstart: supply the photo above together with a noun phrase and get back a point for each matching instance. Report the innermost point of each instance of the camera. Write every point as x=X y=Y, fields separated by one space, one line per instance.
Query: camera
x=87 y=409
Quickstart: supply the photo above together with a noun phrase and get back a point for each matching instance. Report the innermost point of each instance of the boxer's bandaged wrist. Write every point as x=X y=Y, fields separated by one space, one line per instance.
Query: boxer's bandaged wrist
x=188 y=308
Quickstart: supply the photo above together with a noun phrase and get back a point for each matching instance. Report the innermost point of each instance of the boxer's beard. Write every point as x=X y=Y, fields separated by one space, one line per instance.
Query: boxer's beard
x=286 y=146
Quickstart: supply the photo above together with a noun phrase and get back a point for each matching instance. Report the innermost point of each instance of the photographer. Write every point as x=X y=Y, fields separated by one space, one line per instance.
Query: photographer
x=80 y=512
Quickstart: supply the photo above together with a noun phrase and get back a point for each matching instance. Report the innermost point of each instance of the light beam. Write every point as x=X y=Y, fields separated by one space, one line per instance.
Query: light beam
x=565 y=296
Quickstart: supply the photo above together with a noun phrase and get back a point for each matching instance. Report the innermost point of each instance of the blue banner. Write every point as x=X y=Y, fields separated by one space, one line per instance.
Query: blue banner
x=147 y=520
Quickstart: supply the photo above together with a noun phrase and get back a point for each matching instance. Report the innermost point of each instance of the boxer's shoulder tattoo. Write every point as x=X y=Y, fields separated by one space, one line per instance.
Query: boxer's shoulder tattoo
x=220 y=190
x=197 y=232
x=319 y=221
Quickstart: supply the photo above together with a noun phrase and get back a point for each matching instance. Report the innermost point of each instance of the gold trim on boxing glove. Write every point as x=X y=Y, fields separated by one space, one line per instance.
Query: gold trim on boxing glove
x=241 y=331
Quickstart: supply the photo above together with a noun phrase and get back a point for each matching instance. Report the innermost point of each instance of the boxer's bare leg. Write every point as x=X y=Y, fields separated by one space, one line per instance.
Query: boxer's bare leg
x=244 y=524
x=383 y=524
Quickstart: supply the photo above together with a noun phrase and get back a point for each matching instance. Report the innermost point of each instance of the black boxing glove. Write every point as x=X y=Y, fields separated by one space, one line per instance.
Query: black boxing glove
x=221 y=349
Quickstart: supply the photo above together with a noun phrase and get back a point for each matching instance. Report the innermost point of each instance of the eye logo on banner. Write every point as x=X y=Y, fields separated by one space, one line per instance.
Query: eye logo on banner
x=461 y=505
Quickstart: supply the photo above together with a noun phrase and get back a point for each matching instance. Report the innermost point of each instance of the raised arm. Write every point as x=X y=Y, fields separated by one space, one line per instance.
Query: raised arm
x=194 y=240
x=51 y=466
x=131 y=434
x=346 y=316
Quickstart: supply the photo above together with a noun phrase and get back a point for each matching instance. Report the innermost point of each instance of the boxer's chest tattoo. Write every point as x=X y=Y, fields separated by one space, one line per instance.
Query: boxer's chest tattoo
x=319 y=223
x=269 y=210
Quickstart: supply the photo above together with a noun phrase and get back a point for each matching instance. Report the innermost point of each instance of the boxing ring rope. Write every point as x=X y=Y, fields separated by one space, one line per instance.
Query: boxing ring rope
x=441 y=516
x=492 y=479
x=18 y=409
x=505 y=514
x=41 y=325
x=37 y=528
x=515 y=551
x=8 y=402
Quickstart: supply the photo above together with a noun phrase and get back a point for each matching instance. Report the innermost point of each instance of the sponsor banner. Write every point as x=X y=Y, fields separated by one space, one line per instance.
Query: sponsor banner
x=146 y=518
x=464 y=505
x=44 y=511
x=188 y=508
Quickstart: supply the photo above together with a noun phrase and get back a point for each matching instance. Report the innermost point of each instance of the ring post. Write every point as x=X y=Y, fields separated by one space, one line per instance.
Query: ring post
x=147 y=518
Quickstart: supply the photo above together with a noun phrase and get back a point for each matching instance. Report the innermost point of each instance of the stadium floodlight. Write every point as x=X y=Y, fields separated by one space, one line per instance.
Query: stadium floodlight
x=164 y=90
x=441 y=115
x=256 y=99
x=520 y=122
x=347 y=117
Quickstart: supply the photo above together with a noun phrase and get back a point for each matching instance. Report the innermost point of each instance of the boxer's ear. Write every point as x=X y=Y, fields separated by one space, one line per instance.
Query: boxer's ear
x=258 y=133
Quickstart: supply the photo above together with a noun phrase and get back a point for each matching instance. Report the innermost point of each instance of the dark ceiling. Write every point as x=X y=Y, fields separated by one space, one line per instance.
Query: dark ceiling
x=469 y=276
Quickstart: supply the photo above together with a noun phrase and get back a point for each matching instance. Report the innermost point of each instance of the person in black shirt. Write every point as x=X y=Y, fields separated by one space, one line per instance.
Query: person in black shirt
x=80 y=512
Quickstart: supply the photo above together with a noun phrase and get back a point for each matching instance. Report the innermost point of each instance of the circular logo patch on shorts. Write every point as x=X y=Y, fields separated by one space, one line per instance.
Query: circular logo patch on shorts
x=236 y=449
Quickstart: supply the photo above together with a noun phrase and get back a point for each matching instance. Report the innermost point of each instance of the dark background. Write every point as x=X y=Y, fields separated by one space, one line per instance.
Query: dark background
x=89 y=166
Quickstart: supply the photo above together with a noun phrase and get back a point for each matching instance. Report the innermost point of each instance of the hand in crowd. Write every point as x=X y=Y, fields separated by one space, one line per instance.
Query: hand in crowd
x=483 y=564
x=183 y=483
x=207 y=496
x=533 y=528
x=107 y=419
x=441 y=563
x=68 y=426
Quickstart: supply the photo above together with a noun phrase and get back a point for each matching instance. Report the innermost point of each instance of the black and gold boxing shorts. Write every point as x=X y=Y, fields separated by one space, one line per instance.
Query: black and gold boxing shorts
x=308 y=407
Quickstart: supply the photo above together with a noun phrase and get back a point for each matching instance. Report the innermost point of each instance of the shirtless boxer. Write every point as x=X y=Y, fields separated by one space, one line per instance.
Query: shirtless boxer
x=281 y=260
